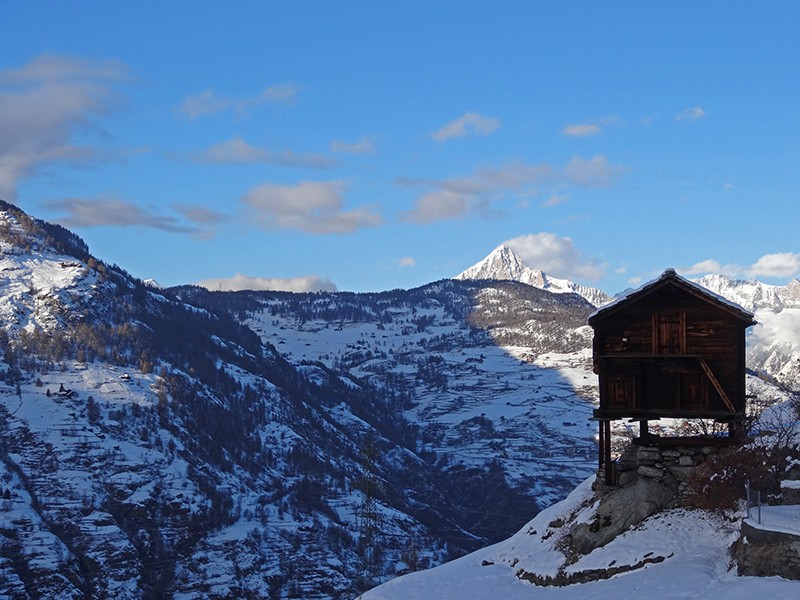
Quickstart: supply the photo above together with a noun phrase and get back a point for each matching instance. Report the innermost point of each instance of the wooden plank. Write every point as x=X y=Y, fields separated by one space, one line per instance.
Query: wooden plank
x=607 y=454
x=717 y=385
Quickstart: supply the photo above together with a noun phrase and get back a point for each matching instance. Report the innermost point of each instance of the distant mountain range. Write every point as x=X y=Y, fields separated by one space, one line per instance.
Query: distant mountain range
x=754 y=295
x=773 y=343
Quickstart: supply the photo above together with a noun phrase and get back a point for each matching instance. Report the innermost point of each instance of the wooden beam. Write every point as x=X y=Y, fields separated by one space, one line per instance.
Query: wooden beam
x=609 y=466
x=601 y=445
x=717 y=385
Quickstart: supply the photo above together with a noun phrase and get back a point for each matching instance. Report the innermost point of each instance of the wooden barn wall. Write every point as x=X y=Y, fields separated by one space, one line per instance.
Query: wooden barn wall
x=710 y=332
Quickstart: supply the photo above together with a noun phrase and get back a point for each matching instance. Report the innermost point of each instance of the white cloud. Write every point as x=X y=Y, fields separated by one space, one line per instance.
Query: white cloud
x=235 y=150
x=200 y=215
x=55 y=67
x=590 y=128
x=581 y=130
x=209 y=102
x=593 y=172
x=782 y=264
x=555 y=200
x=238 y=151
x=691 y=114
x=43 y=106
x=779 y=264
x=310 y=283
x=556 y=256
x=461 y=196
x=440 y=205
x=776 y=329
x=407 y=261
x=310 y=206
x=112 y=212
x=469 y=123
x=364 y=145
x=704 y=267
x=281 y=92
x=204 y=103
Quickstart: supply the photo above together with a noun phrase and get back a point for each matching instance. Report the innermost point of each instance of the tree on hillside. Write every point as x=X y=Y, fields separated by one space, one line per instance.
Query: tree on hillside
x=368 y=518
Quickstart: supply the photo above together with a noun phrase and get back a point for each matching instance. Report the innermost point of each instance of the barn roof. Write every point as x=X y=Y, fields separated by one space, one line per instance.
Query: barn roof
x=671 y=277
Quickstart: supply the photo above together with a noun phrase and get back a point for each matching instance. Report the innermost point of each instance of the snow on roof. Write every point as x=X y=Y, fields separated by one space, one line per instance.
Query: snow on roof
x=673 y=275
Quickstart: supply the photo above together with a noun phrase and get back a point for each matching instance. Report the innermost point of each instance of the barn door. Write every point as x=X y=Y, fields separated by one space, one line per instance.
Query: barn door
x=669 y=333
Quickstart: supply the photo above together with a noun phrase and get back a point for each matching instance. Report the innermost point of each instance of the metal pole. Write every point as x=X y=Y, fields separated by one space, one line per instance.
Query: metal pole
x=759 y=506
x=747 y=487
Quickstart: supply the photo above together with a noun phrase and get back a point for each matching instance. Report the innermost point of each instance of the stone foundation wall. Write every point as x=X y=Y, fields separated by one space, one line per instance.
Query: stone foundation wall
x=671 y=466
x=767 y=553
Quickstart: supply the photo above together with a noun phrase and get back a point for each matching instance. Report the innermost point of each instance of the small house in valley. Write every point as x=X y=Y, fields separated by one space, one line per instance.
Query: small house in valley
x=669 y=349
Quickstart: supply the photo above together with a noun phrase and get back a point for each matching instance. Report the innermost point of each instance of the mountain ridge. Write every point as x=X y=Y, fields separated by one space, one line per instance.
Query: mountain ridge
x=503 y=263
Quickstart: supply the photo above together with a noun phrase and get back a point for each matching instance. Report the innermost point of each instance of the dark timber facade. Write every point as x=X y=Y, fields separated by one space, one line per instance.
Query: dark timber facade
x=669 y=349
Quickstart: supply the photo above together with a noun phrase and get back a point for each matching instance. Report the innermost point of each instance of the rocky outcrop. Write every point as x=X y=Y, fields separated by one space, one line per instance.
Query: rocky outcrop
x=587 y=576
x=649 y=478
x=620 y=509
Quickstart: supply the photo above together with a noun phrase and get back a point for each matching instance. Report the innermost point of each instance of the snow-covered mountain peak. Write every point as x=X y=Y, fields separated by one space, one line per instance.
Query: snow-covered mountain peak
x=754 y=295
x=793 y=289
x=503 y=263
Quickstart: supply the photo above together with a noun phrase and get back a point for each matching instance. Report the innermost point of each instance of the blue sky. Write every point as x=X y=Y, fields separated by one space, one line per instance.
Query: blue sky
x=377 y=145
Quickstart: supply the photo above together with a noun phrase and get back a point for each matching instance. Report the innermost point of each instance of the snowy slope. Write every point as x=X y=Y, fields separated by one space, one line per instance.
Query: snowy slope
x=674 y=555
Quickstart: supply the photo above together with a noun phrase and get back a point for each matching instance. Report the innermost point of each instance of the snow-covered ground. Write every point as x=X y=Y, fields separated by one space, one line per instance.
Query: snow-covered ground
x=688 y=550
x=782 y=519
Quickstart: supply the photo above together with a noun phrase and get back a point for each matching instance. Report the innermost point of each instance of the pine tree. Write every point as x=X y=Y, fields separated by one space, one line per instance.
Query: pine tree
x=368 y=517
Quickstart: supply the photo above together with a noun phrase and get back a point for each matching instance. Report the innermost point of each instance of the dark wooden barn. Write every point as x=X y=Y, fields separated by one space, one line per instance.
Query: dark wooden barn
x=669 y=349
